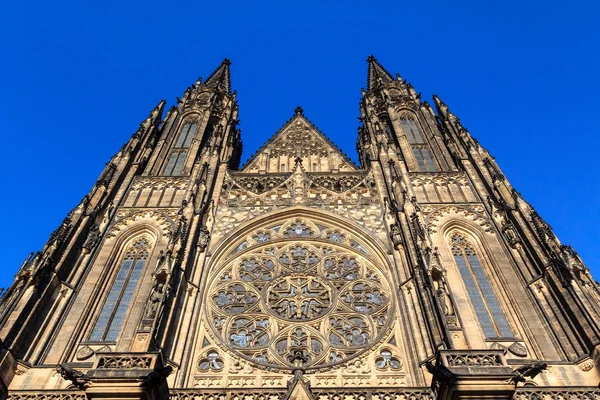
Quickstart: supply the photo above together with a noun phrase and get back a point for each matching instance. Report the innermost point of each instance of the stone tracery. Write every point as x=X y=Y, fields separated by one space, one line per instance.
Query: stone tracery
x=298 y=293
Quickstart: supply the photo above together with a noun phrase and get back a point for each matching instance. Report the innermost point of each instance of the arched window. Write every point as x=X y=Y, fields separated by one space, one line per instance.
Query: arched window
x=419 y=145
x=484 y=300
x=117 y=303
x=179 y=153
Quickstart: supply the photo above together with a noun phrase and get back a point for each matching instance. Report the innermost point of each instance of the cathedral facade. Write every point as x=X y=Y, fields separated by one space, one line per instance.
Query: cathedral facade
x=419 y=274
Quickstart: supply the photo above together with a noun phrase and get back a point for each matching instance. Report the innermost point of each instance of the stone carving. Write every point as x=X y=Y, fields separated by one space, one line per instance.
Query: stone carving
x=518 y=349
x=203 y=239
x=538 y=393
x=78 y=378
x=302 y=303
x=47 y=395
x=476 y=216
x=299 y=138
x=386 y=361
x=527 y=371
x=124 y=362
x=319 y=394
x=92 y=238
x=211 y=362
x=473 y=360
x=360 y=202
x=84 y=353
x=157 y=377
x=239 y=367
x=586 y=365
x=440 y=373
x=124 y=217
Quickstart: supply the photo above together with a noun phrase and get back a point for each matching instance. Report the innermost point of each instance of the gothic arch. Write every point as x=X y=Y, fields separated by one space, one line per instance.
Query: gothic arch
x=299 y=276
x=226 y=244
x=486 y=252
x=160 y=221
x=110 y=260
x=439 y=218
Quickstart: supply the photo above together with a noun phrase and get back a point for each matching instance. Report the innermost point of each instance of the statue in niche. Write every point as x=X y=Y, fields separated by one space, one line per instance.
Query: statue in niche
x=92 y=238
x=155 y=298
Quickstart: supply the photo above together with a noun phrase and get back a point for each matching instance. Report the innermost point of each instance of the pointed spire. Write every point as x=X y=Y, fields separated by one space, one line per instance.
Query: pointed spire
x=220 y=79
x=376 y=74
x=441 y=107
x=155 y=116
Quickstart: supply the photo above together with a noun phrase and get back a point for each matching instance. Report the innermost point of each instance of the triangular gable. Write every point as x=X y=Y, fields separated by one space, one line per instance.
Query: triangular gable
x=298 y=138
x=298 y=389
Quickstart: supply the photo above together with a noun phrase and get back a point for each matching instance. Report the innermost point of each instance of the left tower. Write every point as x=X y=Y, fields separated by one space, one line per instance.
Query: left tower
x=99 y=285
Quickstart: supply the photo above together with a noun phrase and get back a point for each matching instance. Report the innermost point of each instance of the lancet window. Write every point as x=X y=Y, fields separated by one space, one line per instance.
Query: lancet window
x=419 y=145
x=482 y=296
x=179 y=152
x=112 y=315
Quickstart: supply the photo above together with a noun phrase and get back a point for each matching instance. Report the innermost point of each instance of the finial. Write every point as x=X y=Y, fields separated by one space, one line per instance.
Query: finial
x=299 y=111
x=371 y=58
x=226 y=61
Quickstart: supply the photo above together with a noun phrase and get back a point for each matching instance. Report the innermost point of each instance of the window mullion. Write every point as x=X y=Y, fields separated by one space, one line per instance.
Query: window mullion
x=485 y=300
x=118 y=302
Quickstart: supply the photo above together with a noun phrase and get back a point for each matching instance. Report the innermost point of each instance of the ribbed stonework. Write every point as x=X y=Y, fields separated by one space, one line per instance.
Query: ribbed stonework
x=418 y=274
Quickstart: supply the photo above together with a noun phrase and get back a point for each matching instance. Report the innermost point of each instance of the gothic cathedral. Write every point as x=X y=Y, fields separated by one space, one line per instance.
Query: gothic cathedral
x=419 y=274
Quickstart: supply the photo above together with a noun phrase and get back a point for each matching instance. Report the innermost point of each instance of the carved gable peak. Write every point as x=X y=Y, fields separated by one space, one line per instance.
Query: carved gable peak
x=298 y=139
x=298 y=388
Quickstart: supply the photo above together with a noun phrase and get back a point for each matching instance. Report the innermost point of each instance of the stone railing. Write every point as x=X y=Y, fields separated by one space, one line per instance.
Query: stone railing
x=472 y=358
x=126 y=360
x=557 y=393
x=318 y=394
x=46 y=395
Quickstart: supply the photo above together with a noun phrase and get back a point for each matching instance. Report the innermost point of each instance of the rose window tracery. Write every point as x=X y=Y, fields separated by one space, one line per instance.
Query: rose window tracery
x=306 y=296
x=299 y=297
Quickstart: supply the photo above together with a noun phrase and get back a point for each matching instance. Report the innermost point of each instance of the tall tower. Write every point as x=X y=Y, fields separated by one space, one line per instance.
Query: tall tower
x=418 y=274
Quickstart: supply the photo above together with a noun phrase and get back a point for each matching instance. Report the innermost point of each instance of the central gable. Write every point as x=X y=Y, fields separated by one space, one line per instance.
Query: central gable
x=298 y=138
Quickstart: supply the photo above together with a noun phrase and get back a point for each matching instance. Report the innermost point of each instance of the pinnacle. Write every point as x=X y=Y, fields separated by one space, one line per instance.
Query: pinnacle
x=220 y=79
x=376 y=74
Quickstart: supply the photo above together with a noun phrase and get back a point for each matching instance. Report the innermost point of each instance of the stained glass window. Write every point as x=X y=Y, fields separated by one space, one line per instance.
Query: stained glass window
x=117 y=303
x=411 y=131
x=175 y=163
x=419 y=145
x=424 y=160
x=178 y=155
x=187 y=134
x=487 y=307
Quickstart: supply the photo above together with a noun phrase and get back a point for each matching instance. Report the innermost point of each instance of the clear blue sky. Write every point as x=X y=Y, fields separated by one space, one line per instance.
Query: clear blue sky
x=77 y=78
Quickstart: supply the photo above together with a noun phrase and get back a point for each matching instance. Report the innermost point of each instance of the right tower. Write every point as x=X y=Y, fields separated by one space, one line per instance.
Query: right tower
x=477 y=256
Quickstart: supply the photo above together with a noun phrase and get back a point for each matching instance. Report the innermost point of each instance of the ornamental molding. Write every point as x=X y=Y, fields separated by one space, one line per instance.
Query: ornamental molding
x=159 y=182
x=474 y=213
x=46 y=395
x=299 y=137
x=163 y=218
x=439 y=179
x=360 y=202
x=292 y=299
x=558 y=393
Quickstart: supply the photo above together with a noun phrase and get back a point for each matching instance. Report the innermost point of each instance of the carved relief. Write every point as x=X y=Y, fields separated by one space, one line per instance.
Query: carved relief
x=164 y=218
x=474 y=213
x=443 y=187
x=281 y=304
x=357 y=201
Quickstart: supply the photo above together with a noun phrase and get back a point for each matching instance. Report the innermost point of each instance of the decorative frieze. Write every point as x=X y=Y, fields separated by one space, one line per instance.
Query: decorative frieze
x=443 y=187
x=557 y=393
x=46 y=395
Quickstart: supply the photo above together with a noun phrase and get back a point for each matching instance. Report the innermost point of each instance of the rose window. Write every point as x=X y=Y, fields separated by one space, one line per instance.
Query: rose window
x=312 y=301
x=298 y=297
